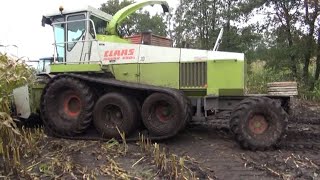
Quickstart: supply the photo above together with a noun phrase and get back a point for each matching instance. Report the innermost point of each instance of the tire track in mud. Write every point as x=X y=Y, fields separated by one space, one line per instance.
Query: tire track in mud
x=302 y=137
x=215 y=153
x=297 y=156
x=219 y=156
x=285 y=164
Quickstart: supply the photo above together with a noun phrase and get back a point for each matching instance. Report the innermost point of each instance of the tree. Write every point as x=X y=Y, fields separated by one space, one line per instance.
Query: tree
x=317 y=69
x=198 y=22
x=284 y=13
x=310 y=16
x=293 y=27
x=156 y=24
x=195 y=24
x=140 y=21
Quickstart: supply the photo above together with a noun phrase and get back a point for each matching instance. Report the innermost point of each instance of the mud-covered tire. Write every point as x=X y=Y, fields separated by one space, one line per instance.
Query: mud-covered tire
x=66 y=106
x=114 y=110
x=258 y=123
x=158 y=120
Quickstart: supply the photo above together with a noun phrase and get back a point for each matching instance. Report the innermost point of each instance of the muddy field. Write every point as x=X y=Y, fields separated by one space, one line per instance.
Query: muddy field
x=202 y=153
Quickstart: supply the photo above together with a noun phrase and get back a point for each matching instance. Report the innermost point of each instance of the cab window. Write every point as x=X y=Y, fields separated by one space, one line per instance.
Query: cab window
x=59 y=37
x=75 y=30
x=100 y=25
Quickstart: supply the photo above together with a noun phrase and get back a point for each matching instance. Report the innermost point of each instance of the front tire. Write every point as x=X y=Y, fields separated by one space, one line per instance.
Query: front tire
x=66 y=106
x=258 y=123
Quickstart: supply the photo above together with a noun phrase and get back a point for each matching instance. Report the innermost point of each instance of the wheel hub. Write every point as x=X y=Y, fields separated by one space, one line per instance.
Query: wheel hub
x=163 y=112
x=258 y=124
x=113 y=115
x=72 y=105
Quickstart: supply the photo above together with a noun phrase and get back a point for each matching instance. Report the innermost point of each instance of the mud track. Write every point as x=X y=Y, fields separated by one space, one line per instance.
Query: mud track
x=218 y=156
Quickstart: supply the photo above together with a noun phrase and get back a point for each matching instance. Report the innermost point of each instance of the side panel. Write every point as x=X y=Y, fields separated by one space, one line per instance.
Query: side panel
x=225 y=78
x=125 y=72
x=35 y=96
x=122 y=58
x=217 y=73
x=159 y=66
x=158 y=54
x=193 y=55
x=160 y=74
x=60 y=68
x=21 y=101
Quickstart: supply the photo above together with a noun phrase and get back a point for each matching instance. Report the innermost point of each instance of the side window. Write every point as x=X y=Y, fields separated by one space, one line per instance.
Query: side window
x=59 y=34
x=59 y=37
x=99 y=24
x=75 y=30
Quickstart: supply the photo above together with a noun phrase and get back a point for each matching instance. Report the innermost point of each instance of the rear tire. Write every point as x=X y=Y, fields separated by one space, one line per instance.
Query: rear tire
x=66 y=106
x=114 y=110
x=164 y=115
x=258 y=123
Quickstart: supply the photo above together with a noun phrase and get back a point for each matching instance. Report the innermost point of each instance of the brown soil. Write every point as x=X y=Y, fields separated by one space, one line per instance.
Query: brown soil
x=210 y=153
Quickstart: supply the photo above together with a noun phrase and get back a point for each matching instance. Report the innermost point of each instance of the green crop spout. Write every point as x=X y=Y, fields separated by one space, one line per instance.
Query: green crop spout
x=126 y=11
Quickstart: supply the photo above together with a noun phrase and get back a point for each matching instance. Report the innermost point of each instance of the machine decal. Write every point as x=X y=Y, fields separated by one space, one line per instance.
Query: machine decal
x=117 y=54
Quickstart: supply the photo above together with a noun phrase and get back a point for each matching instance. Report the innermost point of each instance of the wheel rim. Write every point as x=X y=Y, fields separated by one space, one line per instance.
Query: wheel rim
x=163 y=111
x=72 y=105
x=258 y=124
x=113 y=114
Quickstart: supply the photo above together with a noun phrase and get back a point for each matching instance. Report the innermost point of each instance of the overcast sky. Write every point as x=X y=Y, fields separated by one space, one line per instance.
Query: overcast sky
x=20 y=24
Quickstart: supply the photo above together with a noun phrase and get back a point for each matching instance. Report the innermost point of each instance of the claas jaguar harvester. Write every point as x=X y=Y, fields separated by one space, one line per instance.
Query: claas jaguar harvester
x=101 y=84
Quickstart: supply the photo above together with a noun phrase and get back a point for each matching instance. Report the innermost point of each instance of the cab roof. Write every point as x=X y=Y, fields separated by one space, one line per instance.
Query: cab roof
x=67 y=11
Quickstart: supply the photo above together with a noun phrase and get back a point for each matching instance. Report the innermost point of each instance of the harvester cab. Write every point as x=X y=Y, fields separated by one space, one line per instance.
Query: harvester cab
x=77 y=33
x=43 y=65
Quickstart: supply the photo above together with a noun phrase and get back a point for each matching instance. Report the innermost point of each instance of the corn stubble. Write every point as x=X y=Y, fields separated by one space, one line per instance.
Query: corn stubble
x=170 y=165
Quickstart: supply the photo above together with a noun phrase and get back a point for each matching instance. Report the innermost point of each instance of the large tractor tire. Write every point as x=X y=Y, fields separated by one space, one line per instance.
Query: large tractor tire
x=258 y=123
x=164 y=115
x=115 y=110
x=66 y=106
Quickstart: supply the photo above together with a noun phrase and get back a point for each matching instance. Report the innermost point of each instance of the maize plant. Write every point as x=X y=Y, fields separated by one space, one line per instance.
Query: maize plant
x=13 y=74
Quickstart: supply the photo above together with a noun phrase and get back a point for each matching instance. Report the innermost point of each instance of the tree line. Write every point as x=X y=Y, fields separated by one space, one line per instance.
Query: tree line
x=284 y=34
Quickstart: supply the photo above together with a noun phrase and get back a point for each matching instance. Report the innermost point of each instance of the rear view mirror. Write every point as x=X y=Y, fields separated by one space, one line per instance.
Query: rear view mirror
x=45 y=21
